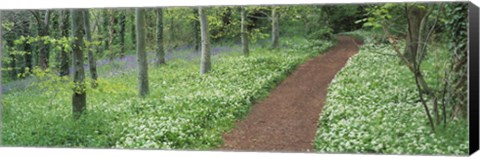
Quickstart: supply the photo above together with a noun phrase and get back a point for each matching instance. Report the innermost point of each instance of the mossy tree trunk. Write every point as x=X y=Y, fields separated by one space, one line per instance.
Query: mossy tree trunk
x=42 y=30
x=64 y=54
x=205 y=64
x=160 y=53
x=79 y=93
x=244 y=32
x=122 y=22
x=91 y=57
x=196 y=30
x=106 y=32
x=141 y=54
x=275 y=28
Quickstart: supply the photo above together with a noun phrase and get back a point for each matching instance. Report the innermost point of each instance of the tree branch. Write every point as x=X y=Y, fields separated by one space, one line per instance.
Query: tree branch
x=431 y=30
x=35 y=14
x=259 y=17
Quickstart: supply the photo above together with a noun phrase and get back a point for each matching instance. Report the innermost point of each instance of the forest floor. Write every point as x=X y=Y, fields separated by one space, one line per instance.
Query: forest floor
x=287 y=119
x=122 y=65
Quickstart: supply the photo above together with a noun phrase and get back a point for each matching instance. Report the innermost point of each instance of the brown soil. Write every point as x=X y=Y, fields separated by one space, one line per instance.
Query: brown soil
x=286 y=120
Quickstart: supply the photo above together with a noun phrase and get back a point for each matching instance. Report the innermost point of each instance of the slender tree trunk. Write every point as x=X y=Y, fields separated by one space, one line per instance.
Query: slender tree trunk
x=435 y=111
x=141 y=54
x=106 y=32
x=205 y=64
x=112 y=27
x=91 y=57
x=122 y=21
x=13 y=61
x=28 y=57
x=196 y=30
x=13 y=64
x=64 y=54
x=54 y=26
x=415 y=17
x=27 y=47
x=150 y=24
x=244 y=32
x=46 y=49
x=458 y=16
x=132 y=28
x=275 y=28
x=43 y=55
x=79 y=95
x=160 y=52
x=172 y=32
x=34 y=47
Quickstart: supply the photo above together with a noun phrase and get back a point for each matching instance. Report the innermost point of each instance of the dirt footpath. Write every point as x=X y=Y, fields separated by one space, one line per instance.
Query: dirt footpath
x=286 y=121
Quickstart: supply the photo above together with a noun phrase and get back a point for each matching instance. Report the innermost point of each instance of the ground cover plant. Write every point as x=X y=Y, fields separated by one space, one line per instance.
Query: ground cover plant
x=373 y=107
x=183 y=111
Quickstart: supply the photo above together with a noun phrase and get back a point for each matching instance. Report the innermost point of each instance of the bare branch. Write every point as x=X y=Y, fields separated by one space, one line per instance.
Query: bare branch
x=36 y=15
x=393 y=41
x=259 y=17
x=423 y=49
x=259 y=11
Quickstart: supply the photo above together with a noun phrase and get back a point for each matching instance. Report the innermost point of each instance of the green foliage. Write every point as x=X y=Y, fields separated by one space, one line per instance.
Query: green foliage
x=325 y=33
x=385 y=14
x=372 y=107
x=56 y=45
x=342 y=18
x=224 y=22
x=184 y=110
x=178 y=27
x=301 y=44
x=256 y=34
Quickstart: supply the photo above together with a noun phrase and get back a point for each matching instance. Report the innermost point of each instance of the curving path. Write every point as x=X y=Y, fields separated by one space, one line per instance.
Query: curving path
x=286 y=121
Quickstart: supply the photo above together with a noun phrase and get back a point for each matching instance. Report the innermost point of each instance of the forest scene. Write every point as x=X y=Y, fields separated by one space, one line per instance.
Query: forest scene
x=381 y=78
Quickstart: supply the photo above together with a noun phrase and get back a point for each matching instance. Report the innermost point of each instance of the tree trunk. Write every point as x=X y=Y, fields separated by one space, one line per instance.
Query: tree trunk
x=275 y=28
x=43 y=55
x=79 y=94
x=112 y=27
x=132 y=34
x=54 y=26
x=141 y=54
x=122 y=21
x=244 y=32
x=13 y=64
x=64 y=54
x=458 y=17
x=205 y=65
x=414 y=41
x=160 y=52
x=91 y=57
x=106 y=32
x=415 y=16
x=460 y=97
x=196 y=30
x=28 y=57
x=172 y=32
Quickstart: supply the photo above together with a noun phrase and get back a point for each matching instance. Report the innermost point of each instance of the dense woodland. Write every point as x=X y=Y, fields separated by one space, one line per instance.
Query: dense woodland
x=179 y=77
